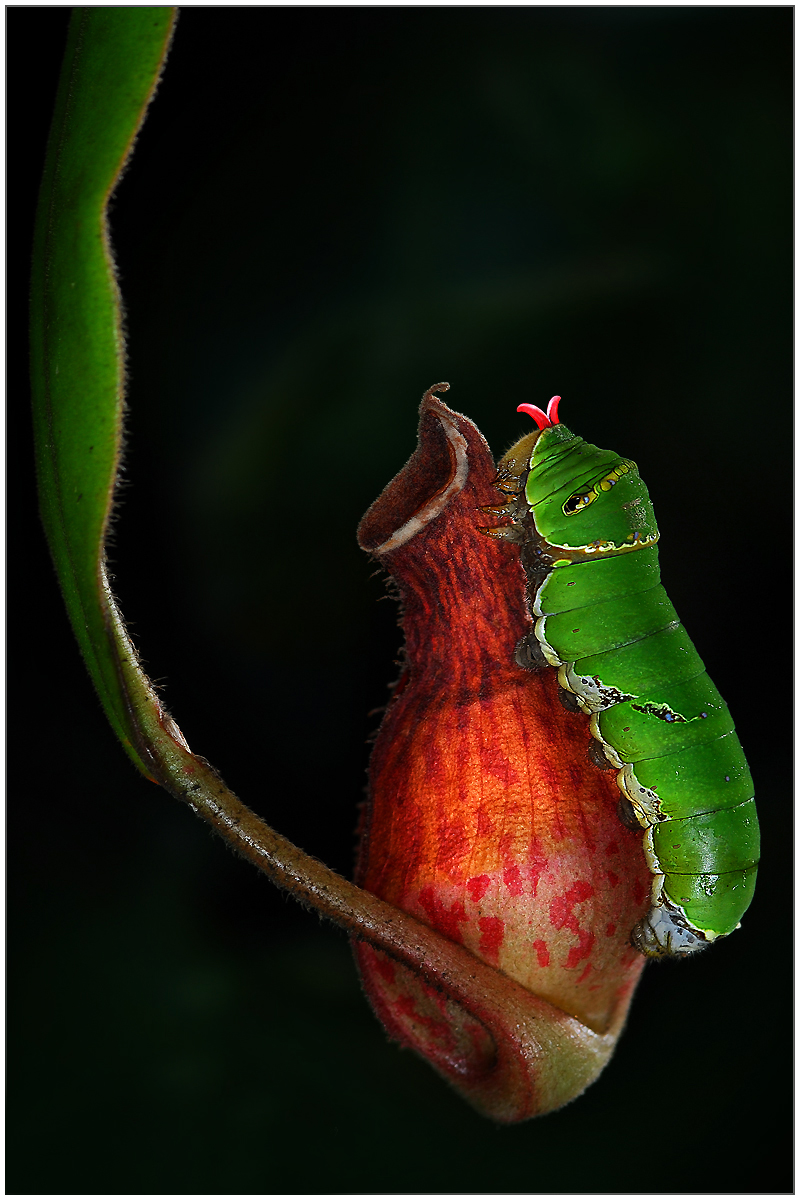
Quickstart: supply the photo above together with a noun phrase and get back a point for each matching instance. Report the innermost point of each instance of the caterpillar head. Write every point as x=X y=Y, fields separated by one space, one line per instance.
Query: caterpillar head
x=515 y=463
x=581 y=497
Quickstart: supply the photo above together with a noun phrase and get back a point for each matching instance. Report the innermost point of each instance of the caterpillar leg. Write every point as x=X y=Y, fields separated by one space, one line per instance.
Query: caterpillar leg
x=528 y=653
x=568 y=700
x=627 y=814
x=665 y=932
x=597 y=756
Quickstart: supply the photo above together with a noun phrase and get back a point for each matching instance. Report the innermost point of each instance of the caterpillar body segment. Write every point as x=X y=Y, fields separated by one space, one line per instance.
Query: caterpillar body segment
x=588 y=541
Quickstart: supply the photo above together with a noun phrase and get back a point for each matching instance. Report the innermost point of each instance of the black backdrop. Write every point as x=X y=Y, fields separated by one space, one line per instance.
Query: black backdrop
x=329 y=210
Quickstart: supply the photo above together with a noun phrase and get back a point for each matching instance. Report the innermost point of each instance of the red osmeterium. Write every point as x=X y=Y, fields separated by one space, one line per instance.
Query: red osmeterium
x=485 y=818
x=543 y=419
x=540 y=417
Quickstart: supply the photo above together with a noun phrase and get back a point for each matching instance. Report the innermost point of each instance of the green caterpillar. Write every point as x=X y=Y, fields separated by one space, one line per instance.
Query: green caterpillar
x=588 y=540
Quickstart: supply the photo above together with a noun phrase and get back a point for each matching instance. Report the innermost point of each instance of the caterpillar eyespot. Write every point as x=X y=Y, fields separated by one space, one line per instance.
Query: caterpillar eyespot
x=583 y=516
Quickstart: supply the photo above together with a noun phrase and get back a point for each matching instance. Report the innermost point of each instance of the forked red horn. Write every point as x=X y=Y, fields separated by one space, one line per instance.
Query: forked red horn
x=543 y=419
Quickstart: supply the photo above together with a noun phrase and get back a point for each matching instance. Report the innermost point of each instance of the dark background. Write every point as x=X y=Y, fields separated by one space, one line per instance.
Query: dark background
x=329 y=210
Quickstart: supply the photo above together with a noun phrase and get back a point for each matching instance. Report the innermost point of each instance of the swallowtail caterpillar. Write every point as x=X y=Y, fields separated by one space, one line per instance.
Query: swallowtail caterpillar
x=588 y=540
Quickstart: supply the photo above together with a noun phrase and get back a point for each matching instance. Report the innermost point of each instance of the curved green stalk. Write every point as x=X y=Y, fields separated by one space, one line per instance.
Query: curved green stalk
x=541 y=1056
x=113 y=60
